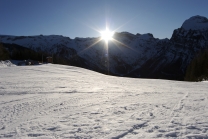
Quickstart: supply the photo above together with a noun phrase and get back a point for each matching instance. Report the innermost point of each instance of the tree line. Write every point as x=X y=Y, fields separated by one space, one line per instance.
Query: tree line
x=198 y=68
x=4 y=53
x=17 y=52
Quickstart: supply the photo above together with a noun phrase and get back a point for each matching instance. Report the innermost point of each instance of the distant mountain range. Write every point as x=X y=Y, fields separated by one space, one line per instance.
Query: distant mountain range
x=131 y=55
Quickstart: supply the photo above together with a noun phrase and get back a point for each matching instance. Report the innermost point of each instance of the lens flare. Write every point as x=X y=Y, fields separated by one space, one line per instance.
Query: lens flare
x=107 y=34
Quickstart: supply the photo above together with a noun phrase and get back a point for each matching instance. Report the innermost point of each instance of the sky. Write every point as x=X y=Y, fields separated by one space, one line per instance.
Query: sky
x=85 y=18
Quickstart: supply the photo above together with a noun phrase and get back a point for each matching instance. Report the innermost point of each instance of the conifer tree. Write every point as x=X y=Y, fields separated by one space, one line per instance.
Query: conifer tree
x=198 y=68
x=4 y=54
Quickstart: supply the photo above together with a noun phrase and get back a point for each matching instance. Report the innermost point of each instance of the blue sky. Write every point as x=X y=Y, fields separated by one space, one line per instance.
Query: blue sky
x=81 y=18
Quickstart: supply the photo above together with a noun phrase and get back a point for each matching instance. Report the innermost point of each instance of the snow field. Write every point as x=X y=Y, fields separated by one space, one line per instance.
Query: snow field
x=55 y=101
x=6 y=63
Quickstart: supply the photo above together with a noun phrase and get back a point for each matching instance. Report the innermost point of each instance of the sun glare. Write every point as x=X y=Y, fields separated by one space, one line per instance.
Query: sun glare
x=107 y=34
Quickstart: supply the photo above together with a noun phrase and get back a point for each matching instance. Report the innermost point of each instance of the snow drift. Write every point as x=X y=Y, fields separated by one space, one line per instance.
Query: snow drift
x=6 y=63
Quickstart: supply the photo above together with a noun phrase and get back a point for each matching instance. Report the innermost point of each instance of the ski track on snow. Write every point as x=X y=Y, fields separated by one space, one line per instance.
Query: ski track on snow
x=71 y=102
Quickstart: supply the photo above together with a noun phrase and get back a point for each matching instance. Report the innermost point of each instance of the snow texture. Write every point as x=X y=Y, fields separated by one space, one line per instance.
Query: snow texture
x=196 y=23
x=54 y=101
x=6 y=63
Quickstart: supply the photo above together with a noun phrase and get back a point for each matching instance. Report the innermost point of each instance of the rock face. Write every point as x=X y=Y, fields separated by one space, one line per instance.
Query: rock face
x=130 y=55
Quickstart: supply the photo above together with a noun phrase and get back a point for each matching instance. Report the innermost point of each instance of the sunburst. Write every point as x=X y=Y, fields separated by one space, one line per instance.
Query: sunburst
x=106 y=34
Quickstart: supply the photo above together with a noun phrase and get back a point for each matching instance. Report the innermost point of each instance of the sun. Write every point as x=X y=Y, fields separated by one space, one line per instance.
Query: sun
x=107 y=35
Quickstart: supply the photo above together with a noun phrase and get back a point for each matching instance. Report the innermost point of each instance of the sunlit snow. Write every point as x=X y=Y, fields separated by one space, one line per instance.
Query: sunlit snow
x=54 y=101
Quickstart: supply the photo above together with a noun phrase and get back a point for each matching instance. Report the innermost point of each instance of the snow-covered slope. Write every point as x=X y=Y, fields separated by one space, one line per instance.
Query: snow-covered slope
x=131 y=55
x=6 y=63
x=196 y=23
x=54 y=101
x=127 y=53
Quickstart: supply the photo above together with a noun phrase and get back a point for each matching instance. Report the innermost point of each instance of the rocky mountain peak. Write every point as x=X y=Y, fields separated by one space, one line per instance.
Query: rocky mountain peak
x=196 y=23
x=146 y=36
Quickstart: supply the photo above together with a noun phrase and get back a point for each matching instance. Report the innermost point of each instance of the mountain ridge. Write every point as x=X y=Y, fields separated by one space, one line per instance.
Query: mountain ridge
x=131 y=55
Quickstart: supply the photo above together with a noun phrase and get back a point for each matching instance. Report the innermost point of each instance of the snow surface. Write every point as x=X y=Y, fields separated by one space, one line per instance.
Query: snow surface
x=196 y=23
x=55 y=101
x=6 y=63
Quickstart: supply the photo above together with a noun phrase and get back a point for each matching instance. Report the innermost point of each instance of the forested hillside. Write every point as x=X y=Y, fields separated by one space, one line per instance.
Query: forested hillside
x=17 y=52
x=4 y=54
x=198 y=68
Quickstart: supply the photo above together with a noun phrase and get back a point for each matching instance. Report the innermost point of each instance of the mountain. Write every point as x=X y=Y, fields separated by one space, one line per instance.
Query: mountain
x=130 y=55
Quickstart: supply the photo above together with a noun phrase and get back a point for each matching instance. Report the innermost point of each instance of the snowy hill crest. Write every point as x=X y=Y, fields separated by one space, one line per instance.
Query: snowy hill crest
x=196 y=23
